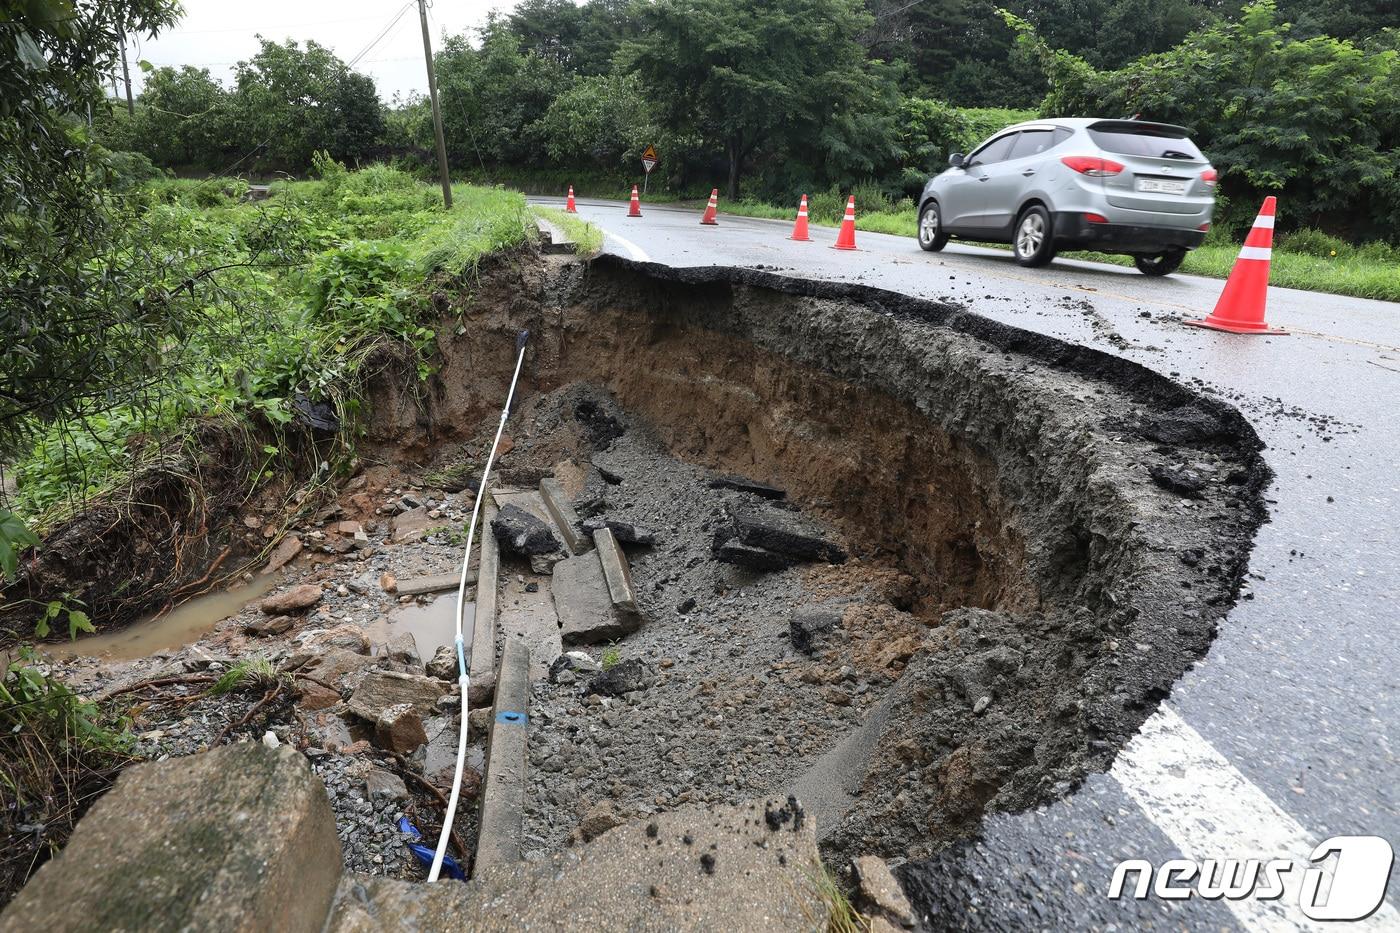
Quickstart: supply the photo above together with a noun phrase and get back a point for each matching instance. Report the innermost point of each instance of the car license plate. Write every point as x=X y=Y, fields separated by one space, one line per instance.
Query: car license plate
x=1161 y=185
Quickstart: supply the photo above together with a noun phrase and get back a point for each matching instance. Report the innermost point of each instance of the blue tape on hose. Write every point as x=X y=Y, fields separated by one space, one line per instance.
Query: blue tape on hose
x=512 y=717
x=461 y=657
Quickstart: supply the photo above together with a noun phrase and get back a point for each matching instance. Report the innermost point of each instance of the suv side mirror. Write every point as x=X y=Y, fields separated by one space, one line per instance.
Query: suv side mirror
x=956 y=160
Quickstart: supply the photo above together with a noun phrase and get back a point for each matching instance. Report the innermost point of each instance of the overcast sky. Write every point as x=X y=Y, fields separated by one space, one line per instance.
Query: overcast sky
x=215 y=34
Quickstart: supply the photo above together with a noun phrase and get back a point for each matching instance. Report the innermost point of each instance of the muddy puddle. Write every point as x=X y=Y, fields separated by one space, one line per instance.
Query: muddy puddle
x=183 y=625
x=432 y=625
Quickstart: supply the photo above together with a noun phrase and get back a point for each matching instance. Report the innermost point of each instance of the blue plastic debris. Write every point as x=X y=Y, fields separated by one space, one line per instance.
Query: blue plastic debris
x=424 y=854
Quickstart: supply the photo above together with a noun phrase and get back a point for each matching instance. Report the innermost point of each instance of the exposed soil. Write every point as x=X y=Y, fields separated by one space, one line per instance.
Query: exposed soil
x=1042 y=538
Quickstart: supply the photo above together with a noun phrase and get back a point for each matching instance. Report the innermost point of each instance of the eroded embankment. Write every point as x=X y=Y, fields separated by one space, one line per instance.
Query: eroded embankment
x=1093 y=517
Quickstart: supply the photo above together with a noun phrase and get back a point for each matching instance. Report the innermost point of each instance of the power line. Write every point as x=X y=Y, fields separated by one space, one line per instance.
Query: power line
x=394 y=21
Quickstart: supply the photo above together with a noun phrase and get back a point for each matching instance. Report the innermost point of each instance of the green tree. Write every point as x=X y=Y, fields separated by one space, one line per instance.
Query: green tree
x=1315 y=121
x=294 y=101
x=742 y=73
x=80 y=322
x=604 y=120
x=184 y=119
x=493 y=98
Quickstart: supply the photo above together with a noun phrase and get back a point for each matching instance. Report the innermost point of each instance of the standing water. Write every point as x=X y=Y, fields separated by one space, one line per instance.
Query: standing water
x=181 y=626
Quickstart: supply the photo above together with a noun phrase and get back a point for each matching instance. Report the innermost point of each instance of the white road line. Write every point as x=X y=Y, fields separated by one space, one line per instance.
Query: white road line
x=1210 y=810
x=636 y=251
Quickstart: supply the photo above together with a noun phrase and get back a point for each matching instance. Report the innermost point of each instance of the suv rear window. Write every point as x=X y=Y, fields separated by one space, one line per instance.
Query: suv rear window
x=1146 y=143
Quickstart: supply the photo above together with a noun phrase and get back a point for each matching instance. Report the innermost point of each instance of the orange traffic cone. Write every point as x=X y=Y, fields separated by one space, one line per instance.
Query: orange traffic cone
x=635 y=208
x=846 y=239
x=569 y=204
x=799 y=229
x=1240 y=309
x=711 y=209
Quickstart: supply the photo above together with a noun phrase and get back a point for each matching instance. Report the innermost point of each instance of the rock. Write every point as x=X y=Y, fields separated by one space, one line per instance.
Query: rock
x=587 y=614
x=479 y=720
x=264 y=627
x=781 y=533
x=348 y=637
x=314 y=696
x=730 y=551
x=809 y=627
x=742 y=484
x=270 y=739
x=349 y=528
x=264 y=856
x=384 y=784
x=288 y=548
x=626 y=532
x=622 y=678
x=382 y=689
x=388 y=582
x=402 y=648
x=600 y=818
x=399 y=728
x=1179 y=480
x=297 y=599
x=1185 y=424
x=686 y=605
x=836 y=696
x=410 y=525
x=879 y=893
x=443 y=665
x=522 y=533
x=338 y=667
x=569 y=664
x=408 y=502
x=482 y=689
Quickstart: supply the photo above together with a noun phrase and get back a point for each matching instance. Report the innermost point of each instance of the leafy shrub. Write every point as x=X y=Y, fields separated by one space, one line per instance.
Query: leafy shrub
x=126 y=170
x=1314 y=243
x=826 y=206
x=870 y=199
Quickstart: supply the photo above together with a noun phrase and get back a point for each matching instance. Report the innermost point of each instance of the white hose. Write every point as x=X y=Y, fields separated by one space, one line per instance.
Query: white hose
x=463 y=680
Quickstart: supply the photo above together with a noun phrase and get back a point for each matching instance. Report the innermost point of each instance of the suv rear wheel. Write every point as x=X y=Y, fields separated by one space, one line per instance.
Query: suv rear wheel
x=931 y=235
x=1033 y=242
x=1164 y=263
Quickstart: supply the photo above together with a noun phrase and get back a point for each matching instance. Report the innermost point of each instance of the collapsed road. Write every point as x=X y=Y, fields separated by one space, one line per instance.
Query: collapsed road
x=916 y=565
x=1294 y=714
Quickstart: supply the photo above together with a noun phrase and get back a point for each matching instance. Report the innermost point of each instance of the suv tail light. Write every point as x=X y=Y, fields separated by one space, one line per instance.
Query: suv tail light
x=1092 y=166
x=1209 y=176
x=1096 y=218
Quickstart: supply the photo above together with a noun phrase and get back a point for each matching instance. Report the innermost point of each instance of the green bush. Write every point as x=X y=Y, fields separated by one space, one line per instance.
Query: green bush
x=1312 y=242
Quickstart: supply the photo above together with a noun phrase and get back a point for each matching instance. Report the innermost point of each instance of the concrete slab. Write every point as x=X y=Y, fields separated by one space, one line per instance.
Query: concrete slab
x=615 y=570
x=503 y=790
x=564 y=516
x=434 y=583
x=745 y=868
x=482 y=664
x=586 y=611
x=530 y=617
x=239 y=838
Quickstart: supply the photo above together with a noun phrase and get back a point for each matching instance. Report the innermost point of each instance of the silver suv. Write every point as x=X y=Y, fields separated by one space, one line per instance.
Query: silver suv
x=1117 y=186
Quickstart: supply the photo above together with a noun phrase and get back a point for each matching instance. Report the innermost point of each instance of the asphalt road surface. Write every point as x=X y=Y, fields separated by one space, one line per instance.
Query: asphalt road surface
x=1288 y=732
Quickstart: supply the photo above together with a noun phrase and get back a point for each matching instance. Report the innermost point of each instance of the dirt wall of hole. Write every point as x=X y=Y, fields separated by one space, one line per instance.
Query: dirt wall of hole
x=1007 y=471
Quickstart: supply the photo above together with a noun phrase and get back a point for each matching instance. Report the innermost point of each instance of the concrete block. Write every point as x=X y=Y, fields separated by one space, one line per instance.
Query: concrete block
x=483 y=658
x=565 y=518
x=503 y=790
x=240 y=838
x=586 y=611
x=615 y=570
x=435 y=583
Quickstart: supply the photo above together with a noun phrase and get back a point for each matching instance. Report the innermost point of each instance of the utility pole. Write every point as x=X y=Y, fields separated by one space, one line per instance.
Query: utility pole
x=437 y=112
x=126 y=76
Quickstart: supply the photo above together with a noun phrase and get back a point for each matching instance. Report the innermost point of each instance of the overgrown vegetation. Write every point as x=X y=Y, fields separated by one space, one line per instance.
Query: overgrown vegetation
x=58 y=753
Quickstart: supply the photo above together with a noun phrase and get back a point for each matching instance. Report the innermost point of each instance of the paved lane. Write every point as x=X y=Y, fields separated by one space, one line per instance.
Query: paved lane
x=1300 y=695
